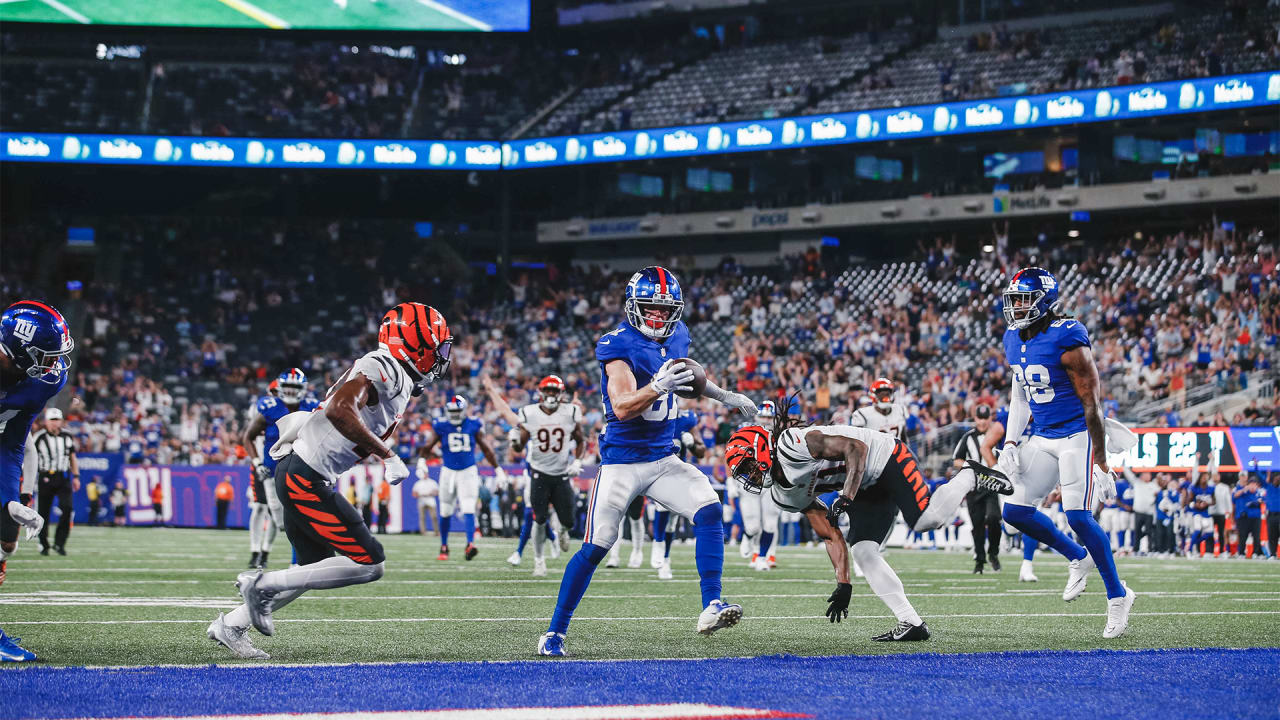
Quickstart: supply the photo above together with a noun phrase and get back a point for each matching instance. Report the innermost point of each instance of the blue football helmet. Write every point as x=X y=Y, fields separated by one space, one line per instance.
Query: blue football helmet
x=291 y=386
x=1031 y=294
x=650 y=293
x=455 y=409
x=36 y=338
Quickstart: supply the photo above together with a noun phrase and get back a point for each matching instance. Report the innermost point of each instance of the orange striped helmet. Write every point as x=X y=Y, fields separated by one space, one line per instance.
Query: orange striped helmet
x=550 y=388
x=750 y=458
x=418 y=336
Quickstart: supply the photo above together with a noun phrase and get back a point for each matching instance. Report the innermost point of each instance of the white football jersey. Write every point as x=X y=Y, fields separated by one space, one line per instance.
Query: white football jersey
x=809 y=477
x=869 y=417
x=328 y=451
x=550 y=447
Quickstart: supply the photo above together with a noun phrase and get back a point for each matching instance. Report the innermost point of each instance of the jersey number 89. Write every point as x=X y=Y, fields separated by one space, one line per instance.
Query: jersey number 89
x=1035 y=383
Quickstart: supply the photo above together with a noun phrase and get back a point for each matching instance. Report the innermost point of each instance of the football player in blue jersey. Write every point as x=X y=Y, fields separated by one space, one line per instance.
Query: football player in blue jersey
x=641 y=370
x=1056 y=389
x=266 y=514
x=35 y=349
x=688 y=445
x=1199 y=499
x=458 y=437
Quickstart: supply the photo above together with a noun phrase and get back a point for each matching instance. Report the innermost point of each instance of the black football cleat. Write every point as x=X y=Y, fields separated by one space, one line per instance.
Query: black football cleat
x=44 y=550
x=977 y=567
x=472 y=551
x=262 y=560
x=990 y=479
x=59 y=549
x=905 y=632
x=995 y=562
x=253 y=560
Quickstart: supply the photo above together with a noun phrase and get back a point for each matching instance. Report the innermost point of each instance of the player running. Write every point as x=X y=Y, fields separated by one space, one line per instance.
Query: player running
x=360 y=412
x=641 y=371
x=1055 y=388
x=884 y=414
x=266 y=514
x=552 y=439
x=458 y=437
x=35 y=349
x=760 y=514
x=876 y=476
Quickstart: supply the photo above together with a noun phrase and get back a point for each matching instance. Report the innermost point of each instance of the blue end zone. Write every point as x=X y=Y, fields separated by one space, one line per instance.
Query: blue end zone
x=1026 y=685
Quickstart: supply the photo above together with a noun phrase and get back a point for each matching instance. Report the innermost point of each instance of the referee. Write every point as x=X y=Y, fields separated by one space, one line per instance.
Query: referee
x=984 y=505
x=59 y=477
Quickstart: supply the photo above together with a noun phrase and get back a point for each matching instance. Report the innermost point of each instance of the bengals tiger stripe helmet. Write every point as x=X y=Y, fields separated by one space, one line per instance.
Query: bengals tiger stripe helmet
x=418 y=336
x=749 y=457
x=882 y=390
x=550 y=388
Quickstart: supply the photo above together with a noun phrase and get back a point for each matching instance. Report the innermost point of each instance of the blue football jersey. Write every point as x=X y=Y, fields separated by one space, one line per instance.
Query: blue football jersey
x=647 y=437
x=685 y=423
x=1056 y=410
x=1201 y=494
x=272 y=409
x=1124 y=495
x=458 y=441
x=20 y=403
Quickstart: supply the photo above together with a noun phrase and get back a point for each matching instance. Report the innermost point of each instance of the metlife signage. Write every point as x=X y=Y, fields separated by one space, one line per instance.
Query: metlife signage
x=987 y=115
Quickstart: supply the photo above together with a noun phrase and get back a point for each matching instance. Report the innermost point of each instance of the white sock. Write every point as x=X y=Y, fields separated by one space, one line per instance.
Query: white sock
x=258 y=518
x=884 y=581
x=334 y=572
x=637 y=534
x=946 y=500
x=539 y=537
x=269 y=537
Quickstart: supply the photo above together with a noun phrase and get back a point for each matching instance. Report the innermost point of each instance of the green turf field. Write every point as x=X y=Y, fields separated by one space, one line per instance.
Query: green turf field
x=276 y=14
x=144 y=596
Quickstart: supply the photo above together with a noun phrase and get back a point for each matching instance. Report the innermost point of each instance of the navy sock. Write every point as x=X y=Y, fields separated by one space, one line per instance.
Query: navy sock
x=1029 y=546
x=577 y=576
x=667 y=543
x=660 y=525
x=526 y=527
x=708 y=550
x=445 y=522
x=469 y=520
x=766 y=542
x=1099 y=546
x=1038 y=526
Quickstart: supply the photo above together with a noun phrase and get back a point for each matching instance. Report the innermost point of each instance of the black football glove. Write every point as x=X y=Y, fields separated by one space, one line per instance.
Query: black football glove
x=841 y=506
x=839 y=607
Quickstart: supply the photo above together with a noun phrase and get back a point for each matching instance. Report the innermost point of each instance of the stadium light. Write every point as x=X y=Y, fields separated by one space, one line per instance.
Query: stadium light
x=1073 y=233
x=988 y=248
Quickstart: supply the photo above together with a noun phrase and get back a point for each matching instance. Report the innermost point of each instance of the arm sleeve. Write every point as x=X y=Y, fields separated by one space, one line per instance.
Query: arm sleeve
x=1019 y=413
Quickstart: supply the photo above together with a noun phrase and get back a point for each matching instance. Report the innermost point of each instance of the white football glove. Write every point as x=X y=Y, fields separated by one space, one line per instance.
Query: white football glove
x=1105 y=482
x=686 y=439
x=740 y=402
x=501 y=476
x=26 y=517
x=513 y=435
x=394 y=470
x=1009 y=462
x=672 y=377
x=575 y=468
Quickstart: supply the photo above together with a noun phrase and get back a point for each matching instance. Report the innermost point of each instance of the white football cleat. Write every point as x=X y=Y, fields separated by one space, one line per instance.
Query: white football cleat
x=1027 y=573
x=257 y=601
x=717 y=616
x=773 y=562
x=1077 y=577
x=637 y=558
x=562 y=540
x=615 y=558
x=760 y=564
x=664 y=572
x=555 y=547
x=539 y=567
x=656 y=557
x=514 y=559
x=1118 y=613
x=234 y=639
x=552 y=644
x=745 y=549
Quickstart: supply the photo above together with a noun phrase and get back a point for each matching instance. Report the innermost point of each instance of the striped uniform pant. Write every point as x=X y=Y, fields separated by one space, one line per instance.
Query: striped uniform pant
x=320 y=522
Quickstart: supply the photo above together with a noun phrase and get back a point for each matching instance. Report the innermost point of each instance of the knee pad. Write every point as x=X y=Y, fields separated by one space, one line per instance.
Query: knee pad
x=1014 y=514
x=865 y=552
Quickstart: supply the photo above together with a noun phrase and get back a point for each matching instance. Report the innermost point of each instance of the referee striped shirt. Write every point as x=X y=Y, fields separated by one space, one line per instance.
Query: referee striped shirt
x=53 y=452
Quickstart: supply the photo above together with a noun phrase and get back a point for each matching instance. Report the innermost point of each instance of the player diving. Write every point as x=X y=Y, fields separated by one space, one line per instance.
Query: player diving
x=875 y=476
x=643 y=364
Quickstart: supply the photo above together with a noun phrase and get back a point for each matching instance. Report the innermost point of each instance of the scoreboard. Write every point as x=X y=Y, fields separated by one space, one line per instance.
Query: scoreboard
x=1179 y=449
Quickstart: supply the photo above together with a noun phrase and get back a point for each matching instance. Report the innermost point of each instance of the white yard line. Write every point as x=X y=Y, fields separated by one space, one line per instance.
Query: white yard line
x=69 y=12
x=459 y=16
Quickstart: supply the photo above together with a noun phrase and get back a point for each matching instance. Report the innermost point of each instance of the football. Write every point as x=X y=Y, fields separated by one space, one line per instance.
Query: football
x=699 y=379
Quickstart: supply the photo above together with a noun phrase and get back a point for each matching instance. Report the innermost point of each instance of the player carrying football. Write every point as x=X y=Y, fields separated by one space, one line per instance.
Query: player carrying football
x=876 y=476
x=1055 y=388
x=35 y=345
x=353 y=422
x=641 y=372
x=266 y=514
x=551 y=437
